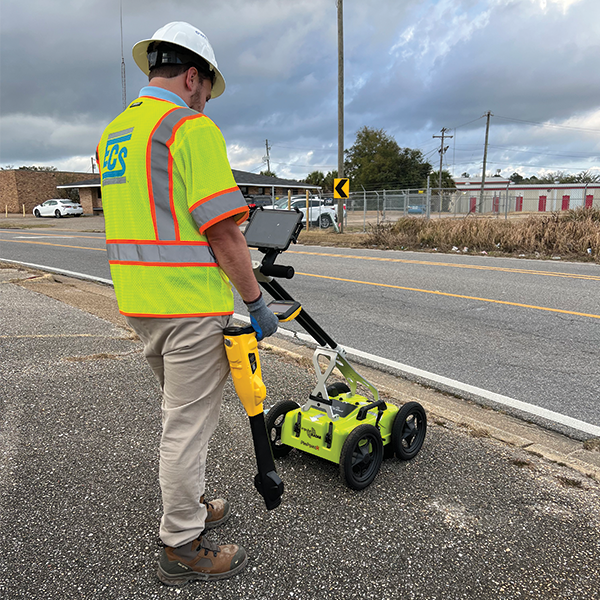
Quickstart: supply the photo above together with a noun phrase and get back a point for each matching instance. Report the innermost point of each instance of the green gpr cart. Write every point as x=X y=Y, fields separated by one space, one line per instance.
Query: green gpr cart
x=337 y=422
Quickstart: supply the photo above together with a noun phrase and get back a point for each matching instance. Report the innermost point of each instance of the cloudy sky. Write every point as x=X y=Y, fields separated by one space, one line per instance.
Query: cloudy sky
x=412 y=67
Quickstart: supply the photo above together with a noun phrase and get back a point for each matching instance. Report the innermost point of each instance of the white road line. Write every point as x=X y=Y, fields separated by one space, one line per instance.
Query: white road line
x=437 y=381
x=59 y=271
x=454 y=386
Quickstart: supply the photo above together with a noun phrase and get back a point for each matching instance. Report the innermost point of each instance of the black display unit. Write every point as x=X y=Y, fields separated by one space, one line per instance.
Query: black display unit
x=273 y=229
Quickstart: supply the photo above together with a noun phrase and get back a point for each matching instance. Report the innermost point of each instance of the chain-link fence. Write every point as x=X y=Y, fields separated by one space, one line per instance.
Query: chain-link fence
x=388 y=205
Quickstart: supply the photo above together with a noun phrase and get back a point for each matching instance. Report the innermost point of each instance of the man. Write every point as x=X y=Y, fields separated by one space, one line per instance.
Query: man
x=172 y=210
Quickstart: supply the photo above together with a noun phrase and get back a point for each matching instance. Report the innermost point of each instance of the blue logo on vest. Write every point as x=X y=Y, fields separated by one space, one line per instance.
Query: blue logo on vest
x=114 y=166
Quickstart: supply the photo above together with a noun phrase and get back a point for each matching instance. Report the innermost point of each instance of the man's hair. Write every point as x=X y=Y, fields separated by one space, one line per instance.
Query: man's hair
x=184 y=62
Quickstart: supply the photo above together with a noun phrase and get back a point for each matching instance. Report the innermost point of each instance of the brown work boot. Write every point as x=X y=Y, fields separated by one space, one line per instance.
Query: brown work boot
x=200 y=559
x=218 y=511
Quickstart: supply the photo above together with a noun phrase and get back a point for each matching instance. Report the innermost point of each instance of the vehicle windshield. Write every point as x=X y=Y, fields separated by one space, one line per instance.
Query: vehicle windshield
x=281 y=203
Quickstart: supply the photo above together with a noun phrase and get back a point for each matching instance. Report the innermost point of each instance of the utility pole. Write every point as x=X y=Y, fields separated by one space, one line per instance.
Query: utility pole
x=123 y=80
x=340 y=18
x=442 y=151
x=93 y=165
x=488 y=114
x=267 y=157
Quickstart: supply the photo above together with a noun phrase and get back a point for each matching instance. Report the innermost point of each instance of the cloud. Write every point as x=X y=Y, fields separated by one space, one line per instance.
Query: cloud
x=39 y=139
x=411 y=68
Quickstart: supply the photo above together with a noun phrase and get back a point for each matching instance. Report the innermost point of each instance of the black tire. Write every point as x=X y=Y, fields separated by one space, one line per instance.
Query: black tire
x=57 y=214
x=274 y=423
x=325 y=222
x=77 y=215
x=408 y=431
x=36 y=212
x=337 y=388
x=362 y=455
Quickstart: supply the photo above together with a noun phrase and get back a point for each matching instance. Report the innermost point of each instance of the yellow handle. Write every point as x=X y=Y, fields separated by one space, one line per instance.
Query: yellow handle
x=244 y=362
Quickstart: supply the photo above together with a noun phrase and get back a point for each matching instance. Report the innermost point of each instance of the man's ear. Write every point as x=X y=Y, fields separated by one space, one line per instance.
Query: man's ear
x=191 y=75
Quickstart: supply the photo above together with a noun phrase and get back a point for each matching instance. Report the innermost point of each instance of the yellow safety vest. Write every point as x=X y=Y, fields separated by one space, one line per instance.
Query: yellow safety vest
x=165 y=180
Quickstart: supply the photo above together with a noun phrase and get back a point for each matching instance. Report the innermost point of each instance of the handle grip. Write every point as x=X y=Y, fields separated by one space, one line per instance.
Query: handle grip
x=280 y=271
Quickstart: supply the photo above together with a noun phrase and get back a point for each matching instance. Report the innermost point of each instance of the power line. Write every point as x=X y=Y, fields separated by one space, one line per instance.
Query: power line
x=307 y=166
x=465 y=124
x=548 y=124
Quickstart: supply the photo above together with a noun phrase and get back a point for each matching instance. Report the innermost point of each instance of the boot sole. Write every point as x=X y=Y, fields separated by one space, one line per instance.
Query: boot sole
x=181 y=580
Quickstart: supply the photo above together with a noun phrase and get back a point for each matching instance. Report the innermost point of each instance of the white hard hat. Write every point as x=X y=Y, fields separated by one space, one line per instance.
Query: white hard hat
x=190 y=39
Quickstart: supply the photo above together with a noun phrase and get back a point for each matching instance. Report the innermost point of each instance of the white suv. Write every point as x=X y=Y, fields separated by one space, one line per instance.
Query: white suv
x=319 y=214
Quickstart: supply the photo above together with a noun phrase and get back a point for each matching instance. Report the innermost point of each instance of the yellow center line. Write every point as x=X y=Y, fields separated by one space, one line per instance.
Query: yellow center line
x=457 y=266
x=438 y=293
x=51 y=244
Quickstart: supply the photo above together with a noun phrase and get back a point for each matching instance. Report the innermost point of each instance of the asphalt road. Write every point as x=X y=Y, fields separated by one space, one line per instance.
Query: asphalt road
x=469 y=518
x=526 y=329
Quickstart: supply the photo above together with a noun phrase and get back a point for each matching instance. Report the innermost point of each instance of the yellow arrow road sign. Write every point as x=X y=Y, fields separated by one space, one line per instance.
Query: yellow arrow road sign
x=341 y=188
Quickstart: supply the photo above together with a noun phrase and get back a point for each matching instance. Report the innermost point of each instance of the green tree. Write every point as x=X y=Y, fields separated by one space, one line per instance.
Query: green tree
x=517 y=178
x=447 y=181
x=376 y=161
x=268 y=173
x=36 y=168
x=315 y=178
x=558 y=177
x=328 y=181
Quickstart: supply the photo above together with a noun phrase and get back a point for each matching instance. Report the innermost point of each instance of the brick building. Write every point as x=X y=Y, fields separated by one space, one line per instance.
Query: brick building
x=20 y=187
x=250 y=184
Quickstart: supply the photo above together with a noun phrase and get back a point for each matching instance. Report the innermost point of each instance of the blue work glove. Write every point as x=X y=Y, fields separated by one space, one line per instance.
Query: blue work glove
x=263 y=321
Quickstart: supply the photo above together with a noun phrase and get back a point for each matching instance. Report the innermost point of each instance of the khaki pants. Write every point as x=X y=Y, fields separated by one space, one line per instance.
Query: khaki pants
x=188 y=358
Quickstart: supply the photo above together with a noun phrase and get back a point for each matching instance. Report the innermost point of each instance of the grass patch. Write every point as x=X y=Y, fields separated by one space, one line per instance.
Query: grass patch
x=593 y=445
x=478 y=432
x=572 y=234
x=569 y=482
x=519 y=462
x=351 y=238
x=101 y=356
x=9 y=225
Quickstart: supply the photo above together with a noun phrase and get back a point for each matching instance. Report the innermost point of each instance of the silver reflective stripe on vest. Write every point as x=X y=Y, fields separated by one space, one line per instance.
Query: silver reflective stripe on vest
x=159 y=172
x=160 y=253
x=218 y=206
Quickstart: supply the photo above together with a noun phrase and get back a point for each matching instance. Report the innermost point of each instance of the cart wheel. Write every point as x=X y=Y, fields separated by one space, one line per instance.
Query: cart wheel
x=274 y=423
x=362 y=455
x=408 y=431
x=337 y=388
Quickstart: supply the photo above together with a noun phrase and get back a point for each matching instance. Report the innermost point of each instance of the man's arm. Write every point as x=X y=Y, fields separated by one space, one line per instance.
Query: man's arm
x=229 y=246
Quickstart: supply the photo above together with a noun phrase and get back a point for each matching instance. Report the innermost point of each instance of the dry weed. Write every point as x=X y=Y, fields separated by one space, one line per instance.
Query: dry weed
x=573 y=234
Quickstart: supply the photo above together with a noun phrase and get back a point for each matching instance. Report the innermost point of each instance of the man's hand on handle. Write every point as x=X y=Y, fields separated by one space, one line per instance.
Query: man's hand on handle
x=263 y=321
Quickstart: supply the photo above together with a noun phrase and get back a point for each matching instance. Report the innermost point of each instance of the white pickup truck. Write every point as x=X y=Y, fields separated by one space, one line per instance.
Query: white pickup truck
x=319 y=214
